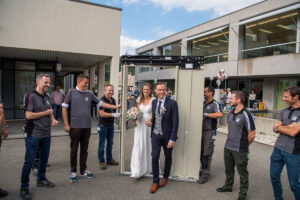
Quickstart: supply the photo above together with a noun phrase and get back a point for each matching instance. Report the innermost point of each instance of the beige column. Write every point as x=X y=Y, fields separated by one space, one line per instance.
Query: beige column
x=92 y=76
x=114 y=73
x=101 y=79
x=184 y=49
x=233 y=45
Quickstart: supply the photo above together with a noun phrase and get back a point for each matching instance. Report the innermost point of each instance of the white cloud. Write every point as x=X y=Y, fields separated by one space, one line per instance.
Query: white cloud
x=162 y=33
x=127 y=2
x=128 y=45
x=220 y=7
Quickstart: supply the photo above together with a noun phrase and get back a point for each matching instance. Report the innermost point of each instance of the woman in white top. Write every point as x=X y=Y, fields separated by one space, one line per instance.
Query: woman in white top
x=141 y=151
x=252 y=98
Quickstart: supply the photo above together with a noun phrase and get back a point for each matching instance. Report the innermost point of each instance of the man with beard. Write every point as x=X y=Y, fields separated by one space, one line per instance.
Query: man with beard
x=287 y=147
x=38 y=135
x=211 y=112
x=241 y=133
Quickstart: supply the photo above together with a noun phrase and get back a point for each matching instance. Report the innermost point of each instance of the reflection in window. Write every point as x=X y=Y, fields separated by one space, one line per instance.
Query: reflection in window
x=147 y=53
x=271 y=36
x=213 y=47
x=24 y=83
x=173 y=49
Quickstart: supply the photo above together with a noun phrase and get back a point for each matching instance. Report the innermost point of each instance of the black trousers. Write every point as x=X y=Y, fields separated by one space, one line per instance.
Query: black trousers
x=79 y=136
x=159 y=141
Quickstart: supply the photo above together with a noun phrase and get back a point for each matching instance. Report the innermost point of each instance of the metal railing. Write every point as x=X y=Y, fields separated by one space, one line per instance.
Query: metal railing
x=277 y=49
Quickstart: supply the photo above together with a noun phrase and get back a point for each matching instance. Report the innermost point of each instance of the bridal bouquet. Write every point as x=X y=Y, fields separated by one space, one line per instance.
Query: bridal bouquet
x=133 y=114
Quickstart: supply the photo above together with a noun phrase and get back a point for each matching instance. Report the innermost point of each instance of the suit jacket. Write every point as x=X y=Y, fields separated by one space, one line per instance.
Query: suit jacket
x=170 y=119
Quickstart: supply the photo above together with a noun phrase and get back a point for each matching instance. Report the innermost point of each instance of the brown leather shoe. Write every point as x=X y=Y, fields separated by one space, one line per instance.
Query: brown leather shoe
x=163 y=182
x=154 y=188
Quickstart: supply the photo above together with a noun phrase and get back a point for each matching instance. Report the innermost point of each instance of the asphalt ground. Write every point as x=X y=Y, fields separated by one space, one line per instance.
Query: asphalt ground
x=108 y=184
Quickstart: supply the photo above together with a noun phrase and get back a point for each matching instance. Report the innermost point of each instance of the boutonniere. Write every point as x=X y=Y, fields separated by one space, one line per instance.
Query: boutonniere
x=164 y=110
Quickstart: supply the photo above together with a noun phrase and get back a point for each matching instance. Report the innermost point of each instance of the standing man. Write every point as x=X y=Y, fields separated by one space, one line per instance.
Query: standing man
x=211 y=112
x=136 y=93
x=241 y=133
x=3 y=135
x=287 y=147
x=94 y=108
x=76 y=113
x=38 y=134
x=56 y=100
x=163 y=133
x=106 y=128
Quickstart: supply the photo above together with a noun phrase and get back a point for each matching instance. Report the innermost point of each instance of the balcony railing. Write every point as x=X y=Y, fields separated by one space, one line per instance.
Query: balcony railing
x=284 y=48
x=216 y=58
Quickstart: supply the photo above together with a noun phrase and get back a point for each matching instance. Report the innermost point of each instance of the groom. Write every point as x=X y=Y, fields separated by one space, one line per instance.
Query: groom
x=163 y=133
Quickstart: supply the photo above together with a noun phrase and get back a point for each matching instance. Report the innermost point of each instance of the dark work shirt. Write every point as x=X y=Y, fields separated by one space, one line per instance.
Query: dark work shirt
x=36 y=103
x=288 y=143
x=238 y=126
x=210 y=123
x=110 y=120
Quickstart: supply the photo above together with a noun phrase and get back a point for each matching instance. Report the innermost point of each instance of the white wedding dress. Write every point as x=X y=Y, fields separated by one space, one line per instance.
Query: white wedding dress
x=141 y=163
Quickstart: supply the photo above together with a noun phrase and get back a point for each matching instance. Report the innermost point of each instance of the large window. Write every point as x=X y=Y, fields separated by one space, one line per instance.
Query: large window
x=173 y=49
x=270 y=36
x=213 y=47
x=281 y=85
x=24 y=83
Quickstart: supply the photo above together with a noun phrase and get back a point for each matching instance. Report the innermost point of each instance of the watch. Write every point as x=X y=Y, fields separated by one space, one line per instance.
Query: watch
x=276 y=129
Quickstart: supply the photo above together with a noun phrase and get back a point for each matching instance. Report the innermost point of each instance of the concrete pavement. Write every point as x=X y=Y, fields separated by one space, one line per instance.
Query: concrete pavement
x=108 y=184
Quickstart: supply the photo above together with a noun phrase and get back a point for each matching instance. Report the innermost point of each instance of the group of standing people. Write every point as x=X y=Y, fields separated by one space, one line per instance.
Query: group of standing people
x=157 y=129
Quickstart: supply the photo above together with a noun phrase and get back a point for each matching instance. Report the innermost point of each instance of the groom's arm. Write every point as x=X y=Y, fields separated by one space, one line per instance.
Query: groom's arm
x=175 y=121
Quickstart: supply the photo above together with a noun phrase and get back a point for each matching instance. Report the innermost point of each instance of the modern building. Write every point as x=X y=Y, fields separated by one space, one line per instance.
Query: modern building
x=258 y=47
x=60 y=37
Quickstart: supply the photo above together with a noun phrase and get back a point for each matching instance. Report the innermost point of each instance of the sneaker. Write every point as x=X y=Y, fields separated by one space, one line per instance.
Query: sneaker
x=87 y=174
x=34 y=171
x=73 y=177
x=241 y=198
x=102 y=166
x=224 y=189
x=112 y=162
x=3 y=193
x=25 y=194
x=45 y=183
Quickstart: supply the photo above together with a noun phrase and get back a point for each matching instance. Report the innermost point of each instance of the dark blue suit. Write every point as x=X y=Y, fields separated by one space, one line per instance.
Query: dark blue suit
x=169 y=125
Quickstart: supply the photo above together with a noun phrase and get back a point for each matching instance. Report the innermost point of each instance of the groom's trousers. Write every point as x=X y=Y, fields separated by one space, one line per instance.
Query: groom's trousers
x=159 y=141
x=207 y=150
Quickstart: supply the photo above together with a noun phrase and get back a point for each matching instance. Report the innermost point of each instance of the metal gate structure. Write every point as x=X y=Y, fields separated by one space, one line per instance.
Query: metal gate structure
x=189 y=89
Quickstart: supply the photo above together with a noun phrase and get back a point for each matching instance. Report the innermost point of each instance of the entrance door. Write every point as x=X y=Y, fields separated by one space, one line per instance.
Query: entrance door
x=244 y=85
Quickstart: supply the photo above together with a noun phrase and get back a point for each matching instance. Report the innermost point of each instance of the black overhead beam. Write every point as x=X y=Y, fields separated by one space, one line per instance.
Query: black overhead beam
x=184 y=62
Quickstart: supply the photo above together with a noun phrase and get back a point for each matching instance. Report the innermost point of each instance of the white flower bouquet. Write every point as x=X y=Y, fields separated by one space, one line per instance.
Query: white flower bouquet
x=133 y=114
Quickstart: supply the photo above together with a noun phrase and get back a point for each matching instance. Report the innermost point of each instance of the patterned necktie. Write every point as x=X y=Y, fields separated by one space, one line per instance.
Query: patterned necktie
x=159 y=106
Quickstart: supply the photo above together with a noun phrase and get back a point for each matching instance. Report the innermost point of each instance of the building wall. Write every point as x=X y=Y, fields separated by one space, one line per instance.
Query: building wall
x=60 y=25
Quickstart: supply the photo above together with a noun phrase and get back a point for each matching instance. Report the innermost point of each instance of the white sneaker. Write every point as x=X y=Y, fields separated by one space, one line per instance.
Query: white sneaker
x=87 y=174
x=73 y=177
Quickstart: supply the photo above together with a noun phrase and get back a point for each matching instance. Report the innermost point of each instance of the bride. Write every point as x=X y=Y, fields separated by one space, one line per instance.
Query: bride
x=141 y=151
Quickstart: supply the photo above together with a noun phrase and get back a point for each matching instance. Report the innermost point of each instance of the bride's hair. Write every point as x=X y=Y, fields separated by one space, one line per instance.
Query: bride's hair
x=142 y=97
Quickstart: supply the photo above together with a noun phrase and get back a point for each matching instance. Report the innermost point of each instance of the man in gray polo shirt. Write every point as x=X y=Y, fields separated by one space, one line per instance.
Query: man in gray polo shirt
x=76 y=113
x=38 y=137
x=287 y=147
x=211 y=112
x=241 y=133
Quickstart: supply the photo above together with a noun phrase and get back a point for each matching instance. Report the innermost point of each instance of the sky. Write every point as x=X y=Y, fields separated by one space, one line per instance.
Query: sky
x=145 y=21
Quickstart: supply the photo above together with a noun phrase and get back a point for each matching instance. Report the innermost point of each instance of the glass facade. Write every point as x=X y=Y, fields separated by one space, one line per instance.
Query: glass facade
x=173 y=49
x=281 y=85
x=270 y=36
x=213 y=47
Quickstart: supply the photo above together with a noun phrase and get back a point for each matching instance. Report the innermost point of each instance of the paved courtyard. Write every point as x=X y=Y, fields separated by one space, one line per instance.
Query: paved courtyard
x=108 y=184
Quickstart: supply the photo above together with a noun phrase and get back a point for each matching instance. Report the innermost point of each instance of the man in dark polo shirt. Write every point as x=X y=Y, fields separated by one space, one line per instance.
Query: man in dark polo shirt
x=211 y=112
x=287 y=147
x=3 y=135
x=106 y=128
x=241 y=133
x=38 y=134
x=78 y=104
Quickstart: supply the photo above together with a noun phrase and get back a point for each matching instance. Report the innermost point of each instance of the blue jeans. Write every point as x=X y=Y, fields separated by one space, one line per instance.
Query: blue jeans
x=56 y=110
x=105 y=133
x=292 y=162
x=32 y=145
